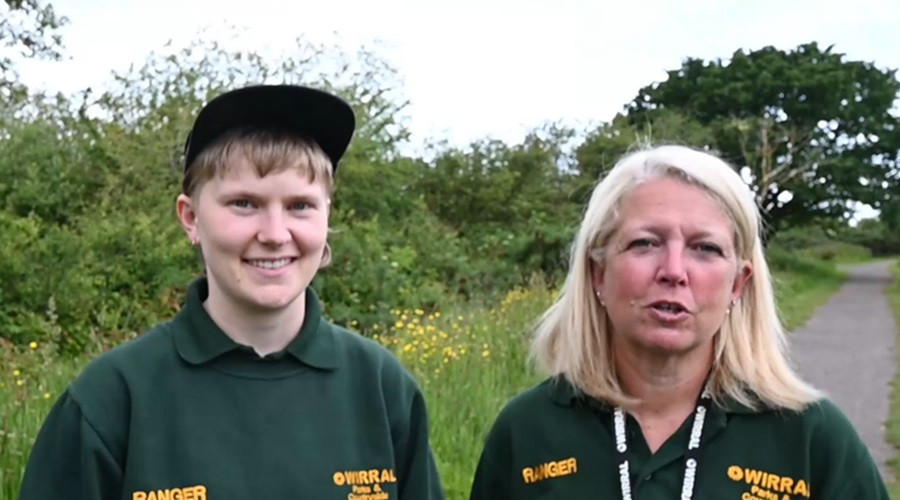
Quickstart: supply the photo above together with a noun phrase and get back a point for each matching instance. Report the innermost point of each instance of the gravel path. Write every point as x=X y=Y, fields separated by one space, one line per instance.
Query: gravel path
x=847 y=349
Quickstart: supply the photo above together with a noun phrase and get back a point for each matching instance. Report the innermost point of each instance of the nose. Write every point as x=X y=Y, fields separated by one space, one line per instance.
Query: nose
x=672 y=269
x=273 y=229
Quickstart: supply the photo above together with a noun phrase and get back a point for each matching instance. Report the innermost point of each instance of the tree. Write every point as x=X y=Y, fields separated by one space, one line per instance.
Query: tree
x=814 y=132
x=28 y=28
x=514 y=205
x=607 y=143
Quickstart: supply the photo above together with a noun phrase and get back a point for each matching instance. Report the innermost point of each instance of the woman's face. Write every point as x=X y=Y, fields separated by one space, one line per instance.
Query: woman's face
x=670 y=270
x=262 y=238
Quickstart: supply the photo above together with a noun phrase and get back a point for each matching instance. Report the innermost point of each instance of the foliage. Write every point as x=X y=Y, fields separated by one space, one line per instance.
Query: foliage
x=86 y=179
x=815 y=131
x=28 y=28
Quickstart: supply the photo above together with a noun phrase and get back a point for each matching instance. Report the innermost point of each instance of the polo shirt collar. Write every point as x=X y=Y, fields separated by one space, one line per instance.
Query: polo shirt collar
x=565 y=393
x=198 y=339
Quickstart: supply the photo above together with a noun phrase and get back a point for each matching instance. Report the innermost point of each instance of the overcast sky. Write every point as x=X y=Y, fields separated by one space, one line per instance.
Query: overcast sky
x=474 y=69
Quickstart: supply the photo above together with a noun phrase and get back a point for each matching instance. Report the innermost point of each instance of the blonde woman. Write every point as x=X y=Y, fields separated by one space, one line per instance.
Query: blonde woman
x=668 y=371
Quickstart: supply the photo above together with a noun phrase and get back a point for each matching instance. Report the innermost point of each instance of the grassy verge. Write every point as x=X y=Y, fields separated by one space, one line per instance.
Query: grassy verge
x=893 y=423
x=31 y=378
x=469 y=362
x=802 y=284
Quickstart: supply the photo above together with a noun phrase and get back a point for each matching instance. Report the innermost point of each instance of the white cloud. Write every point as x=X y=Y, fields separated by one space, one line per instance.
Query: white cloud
x=489 y=67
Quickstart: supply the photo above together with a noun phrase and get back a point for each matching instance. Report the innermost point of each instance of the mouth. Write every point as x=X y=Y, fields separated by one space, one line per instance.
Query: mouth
x=669 y=307
x=270 y=264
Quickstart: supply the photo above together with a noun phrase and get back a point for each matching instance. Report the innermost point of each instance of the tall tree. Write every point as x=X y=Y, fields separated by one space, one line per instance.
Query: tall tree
x=812 y=131
x=28 y=28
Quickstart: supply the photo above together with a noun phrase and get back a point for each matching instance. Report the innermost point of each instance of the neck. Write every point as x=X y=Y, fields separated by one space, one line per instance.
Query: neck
x=666 y=387
x=662 y=383
x=265 y=331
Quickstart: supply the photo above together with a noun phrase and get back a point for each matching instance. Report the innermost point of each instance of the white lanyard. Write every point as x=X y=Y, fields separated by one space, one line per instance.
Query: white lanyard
x=691 y=456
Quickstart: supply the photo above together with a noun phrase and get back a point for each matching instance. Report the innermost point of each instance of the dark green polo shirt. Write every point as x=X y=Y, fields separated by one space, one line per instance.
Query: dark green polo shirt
x=551 y=443
x=185 y=413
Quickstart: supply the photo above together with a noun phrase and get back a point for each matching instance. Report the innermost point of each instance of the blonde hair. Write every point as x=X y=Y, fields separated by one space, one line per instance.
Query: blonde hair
x=750 y=366
x=268 y=151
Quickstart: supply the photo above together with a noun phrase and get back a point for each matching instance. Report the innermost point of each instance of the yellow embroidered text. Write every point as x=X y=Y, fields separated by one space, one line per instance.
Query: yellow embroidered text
x=374 y=476
x=549 y=470
x=768 y=486
x=190 y=493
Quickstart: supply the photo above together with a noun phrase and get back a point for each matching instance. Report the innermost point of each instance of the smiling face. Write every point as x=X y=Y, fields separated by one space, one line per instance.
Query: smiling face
x=670 y=271
x=262 y=237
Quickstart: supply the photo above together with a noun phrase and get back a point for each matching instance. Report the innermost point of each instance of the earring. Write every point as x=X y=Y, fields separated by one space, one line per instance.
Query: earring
x=600 y=298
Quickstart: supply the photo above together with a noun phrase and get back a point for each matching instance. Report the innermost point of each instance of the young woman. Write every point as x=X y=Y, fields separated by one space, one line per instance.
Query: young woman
x=248 y=392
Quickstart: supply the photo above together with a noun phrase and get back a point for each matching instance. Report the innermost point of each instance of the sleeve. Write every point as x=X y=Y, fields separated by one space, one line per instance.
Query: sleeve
x=842 y=465
x=417 y=476
x=492 y=476
x=70 y=460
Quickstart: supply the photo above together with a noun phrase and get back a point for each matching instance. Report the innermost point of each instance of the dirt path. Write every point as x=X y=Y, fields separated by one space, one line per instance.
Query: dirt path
x=847 y=349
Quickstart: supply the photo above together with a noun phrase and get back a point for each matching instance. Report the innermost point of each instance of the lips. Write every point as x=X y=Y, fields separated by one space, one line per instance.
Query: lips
x=669 y=307
x=270 y=264
x=668 y=311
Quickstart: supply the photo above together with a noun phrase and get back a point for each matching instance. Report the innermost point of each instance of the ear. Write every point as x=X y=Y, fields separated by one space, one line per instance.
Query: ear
x=326 y=256
x=741 y=279
x=187 y=216
x=597 y=279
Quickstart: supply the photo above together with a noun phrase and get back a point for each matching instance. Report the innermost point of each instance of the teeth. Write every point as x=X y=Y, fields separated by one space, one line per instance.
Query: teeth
x=669 y=307
x=270 y=264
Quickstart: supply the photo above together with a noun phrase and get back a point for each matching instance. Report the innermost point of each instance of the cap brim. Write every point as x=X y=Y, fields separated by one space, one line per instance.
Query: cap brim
x=318 y=115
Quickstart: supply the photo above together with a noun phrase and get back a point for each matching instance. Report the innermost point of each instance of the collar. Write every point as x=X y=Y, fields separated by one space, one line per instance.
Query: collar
x=198 y=339
x=565 y=393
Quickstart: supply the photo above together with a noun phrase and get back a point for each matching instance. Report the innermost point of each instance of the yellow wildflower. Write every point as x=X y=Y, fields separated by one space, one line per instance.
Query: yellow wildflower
x=33 y=345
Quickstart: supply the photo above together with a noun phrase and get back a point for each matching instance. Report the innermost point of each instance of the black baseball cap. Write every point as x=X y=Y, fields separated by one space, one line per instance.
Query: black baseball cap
x=325 y=118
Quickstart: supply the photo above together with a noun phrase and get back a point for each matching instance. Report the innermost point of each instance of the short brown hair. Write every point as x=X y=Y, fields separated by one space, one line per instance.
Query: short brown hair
x=268 y=151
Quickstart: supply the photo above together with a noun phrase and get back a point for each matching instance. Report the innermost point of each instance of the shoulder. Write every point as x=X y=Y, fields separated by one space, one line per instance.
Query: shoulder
x=136 y=354
x=830 y=428
x=367 y=359
x=102 y=391
x=840 y=460
x=546 y=403
x=105 y=381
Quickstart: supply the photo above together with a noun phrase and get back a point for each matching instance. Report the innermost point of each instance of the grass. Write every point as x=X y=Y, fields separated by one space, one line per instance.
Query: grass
x=802 y=284
x=893 y=423
x=31 y=378
x=469 y=362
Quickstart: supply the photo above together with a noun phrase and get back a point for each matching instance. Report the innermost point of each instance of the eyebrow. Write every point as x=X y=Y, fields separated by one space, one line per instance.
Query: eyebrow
x=699 y=233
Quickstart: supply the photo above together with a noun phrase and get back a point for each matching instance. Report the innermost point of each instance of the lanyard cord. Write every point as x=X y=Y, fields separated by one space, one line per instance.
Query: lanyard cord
x=691 y=456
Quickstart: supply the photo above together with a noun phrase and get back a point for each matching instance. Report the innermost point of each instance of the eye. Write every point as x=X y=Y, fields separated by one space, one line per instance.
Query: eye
x=299 y=206
x=642 y=243
x=710 y=248
x=241 y=203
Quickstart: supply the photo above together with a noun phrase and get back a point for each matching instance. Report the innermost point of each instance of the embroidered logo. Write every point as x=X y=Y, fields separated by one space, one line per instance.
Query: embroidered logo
x=366 y=484
x=189 y=493
x=767 y=486
x=550 y=470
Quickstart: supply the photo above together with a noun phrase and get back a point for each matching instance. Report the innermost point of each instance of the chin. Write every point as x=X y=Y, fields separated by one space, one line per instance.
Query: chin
x=267 y=300
x=674 y=342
